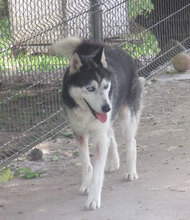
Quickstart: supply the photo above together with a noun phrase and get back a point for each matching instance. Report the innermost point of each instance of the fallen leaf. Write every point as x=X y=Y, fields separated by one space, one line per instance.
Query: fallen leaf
x=176 y=190
x=54 y=158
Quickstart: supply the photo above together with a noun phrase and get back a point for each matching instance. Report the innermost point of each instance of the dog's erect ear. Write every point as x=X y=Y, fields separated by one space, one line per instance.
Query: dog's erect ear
x=75 y=63
x=100 y=57
x=103 y=60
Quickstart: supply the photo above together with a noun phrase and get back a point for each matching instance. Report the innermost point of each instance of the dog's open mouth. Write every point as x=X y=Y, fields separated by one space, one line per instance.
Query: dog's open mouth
x=100 y=116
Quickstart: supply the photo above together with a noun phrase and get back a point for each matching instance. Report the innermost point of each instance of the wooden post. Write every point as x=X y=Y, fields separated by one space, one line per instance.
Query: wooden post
x=95 y=21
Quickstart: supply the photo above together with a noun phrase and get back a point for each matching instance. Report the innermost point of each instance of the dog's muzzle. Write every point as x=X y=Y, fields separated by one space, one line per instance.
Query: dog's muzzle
x=102 y=117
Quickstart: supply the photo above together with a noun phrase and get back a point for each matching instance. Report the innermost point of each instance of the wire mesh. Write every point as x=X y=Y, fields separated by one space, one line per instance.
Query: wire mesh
x=151 y=31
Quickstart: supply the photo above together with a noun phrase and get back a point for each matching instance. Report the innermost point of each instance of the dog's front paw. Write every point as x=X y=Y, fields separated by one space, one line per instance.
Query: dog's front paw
x=130 y=176
x=92 y=203
x=94 y=199
x=84 y=189
x=87 y=175
x=112 y=165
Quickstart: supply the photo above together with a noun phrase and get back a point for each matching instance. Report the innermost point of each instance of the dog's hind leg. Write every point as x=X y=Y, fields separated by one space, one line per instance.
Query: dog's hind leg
x=113 y=156
x=129 y=123
x=94 y=195
x=87 y=169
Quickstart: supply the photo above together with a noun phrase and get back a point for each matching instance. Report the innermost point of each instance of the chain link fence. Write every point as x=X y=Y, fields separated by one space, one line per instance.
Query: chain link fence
x=152 y=31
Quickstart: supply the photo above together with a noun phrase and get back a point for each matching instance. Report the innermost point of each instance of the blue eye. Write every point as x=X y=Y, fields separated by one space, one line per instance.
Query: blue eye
x=106 y=86
x=90 y=88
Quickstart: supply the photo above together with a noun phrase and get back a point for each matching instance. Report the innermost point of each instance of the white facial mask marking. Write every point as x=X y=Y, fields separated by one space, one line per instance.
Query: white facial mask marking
x=96 y=99
x=99 y=97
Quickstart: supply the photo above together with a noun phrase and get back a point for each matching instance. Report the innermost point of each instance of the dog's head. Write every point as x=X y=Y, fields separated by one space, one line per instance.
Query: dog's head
x=90 y=82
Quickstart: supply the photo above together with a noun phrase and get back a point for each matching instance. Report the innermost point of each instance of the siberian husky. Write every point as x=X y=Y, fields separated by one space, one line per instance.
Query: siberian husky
x=100 y=83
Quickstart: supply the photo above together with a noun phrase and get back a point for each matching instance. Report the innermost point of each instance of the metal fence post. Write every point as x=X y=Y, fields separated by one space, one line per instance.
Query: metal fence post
x=95 y=22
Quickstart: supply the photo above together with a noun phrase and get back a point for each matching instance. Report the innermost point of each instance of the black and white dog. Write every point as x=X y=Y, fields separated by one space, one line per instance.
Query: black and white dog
x=100 y=83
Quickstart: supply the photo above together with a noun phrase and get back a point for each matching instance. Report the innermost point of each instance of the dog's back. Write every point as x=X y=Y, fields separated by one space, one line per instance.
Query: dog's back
x=126 y=82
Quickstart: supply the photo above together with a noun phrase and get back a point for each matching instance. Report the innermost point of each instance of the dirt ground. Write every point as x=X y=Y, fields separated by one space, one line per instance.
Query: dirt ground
x=162 y=191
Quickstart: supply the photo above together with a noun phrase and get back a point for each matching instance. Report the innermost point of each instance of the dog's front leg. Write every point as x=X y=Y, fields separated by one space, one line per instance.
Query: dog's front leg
x=113 y=155
x=131 y=154
x=94 y=196
x=87 y=169
x=129 y=123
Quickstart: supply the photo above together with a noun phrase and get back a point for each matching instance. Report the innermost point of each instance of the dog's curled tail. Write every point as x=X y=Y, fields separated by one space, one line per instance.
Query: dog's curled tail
x=66 y=47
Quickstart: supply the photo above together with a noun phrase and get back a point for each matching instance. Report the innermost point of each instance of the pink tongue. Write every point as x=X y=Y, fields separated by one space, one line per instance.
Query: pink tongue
x=101 y=117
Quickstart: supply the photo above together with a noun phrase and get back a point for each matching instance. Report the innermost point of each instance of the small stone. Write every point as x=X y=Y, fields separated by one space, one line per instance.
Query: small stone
x=181 y=145
x=78 y=164
x=67 y=154
x=35 y=154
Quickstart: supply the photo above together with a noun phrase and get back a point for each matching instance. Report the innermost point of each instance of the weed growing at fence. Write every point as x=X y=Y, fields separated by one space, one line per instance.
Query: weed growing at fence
x=6 y=175
x=25 y=173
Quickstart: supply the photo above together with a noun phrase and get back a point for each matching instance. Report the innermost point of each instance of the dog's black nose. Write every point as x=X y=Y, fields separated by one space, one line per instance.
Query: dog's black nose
x=106 y=108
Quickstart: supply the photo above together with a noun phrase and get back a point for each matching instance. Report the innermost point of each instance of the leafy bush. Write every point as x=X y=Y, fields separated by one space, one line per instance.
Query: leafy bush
x=136 y=7
x=25 y=62
x=143 y=45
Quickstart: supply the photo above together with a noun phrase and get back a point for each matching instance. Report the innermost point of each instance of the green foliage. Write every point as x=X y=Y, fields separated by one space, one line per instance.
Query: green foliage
x=6 y=175
x=136 y=7
x=23 y=62
x=26 y=62
x=27 y=173
x=76 y=153
x=54 y=158
x=68 y=135
x=144 y=44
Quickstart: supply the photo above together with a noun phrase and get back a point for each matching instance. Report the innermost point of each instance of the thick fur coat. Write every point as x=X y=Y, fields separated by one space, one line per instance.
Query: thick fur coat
x=100 y=83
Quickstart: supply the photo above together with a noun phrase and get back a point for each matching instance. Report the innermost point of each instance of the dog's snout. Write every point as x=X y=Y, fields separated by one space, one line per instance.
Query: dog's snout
x=106 y=108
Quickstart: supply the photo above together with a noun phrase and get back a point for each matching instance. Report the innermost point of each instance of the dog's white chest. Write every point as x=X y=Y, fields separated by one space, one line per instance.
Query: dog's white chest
x=79 y=119
x=83 y=121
